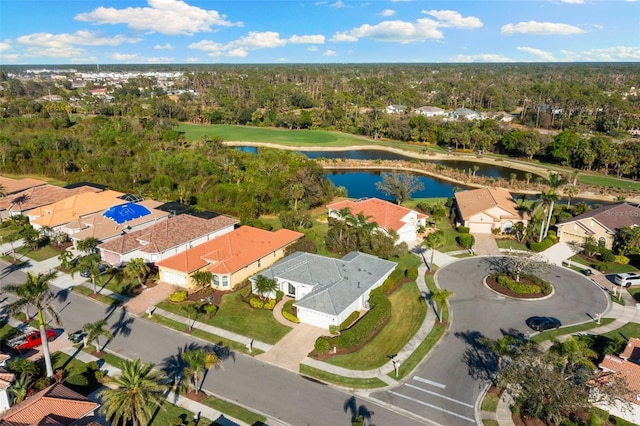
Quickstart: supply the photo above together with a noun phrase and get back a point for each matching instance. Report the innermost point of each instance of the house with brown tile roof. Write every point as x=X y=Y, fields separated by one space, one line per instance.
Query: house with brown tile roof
x=24 y=201
x=602 y=224
x=632 y=350
x=628 y=371
x=11 y=186
x=6 y=398
x=103 y=228
x=56 y=215
x=484 y=209
x=388 y=216
x=165 y=239
x=55 y=405
x=231 y=258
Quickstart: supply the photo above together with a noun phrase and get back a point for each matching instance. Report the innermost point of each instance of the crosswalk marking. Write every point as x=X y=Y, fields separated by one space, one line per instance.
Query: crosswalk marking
x=436 y=384
x=438 y=395
x=433 y=406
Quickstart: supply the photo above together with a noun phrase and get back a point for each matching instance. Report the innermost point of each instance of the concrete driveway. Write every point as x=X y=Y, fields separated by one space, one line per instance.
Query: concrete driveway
x=446 y=386
x=294 y=347
x=486 y=245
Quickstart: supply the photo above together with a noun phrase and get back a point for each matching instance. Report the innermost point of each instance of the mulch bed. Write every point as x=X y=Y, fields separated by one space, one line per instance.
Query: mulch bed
x=216 y=296
x=198 y=397
x=493 y=285
x=526 y=420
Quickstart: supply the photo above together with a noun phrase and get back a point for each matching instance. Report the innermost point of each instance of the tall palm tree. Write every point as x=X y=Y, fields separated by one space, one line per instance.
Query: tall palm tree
x=91 y=263
x=35 y=292
x=434 y=241
x=198 y=361
x=96 y=329
x=133 y=395
x=546 y=202
x=440 y=298
x=570 y=191
x=137 y=268
x=202 y=278
x=264 y=286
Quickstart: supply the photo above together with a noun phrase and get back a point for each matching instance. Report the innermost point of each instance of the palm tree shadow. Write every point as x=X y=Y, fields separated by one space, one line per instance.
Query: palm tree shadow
x=123 y=324
x=10 y=268
x=351 y=406
x=482 y=362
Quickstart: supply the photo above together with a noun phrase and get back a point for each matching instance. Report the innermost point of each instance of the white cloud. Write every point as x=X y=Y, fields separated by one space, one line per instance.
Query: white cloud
x=166 y=46
x=193 y=59
x=482 y=57
x=171 y=17
x=307 y=39
x=312 y=48
x=453 y=19
x=10 y=58
x=572 y=1
x=610 y=54
x=124 y=57
x=4 y=45
x=338 y=5
x=258 y=40
x=330 y=53
x=80 y=38
x=540 y=28
x=387 y=12
x=544 y=56
x=137 y=59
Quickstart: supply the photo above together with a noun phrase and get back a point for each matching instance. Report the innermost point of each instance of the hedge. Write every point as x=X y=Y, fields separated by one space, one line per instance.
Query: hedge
x=392 y=282
x=517 y=287
x=412 y=274
x=290 y=317
x=178 y=296
x=362 y=331
x=261 y=304
x=463 y=229
x=322 y=345
x=349 y=320
x=541 y=246
x=466 y=240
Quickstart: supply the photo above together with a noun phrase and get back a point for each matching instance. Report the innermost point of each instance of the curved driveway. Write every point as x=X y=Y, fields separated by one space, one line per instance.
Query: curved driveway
x=446 y=386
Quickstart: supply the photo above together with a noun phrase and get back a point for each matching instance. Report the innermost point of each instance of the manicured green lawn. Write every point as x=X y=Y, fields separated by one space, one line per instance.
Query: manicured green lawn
x=511 y=244
x=8 y=230
x=408 y=310
x=234 y=410
x=39 y=255
x=167 y=413
x=120 y=287
x=551 y=334
x=6 y=332
x=631 y=329
x=237 y=316
x=100 y=297
x=612 y=268
x=610 y=181
x=635 y=292
x=347 y=382
x=490 y=402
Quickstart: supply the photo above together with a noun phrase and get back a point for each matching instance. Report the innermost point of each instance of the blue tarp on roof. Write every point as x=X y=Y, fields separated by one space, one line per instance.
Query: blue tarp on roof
x=125 y=212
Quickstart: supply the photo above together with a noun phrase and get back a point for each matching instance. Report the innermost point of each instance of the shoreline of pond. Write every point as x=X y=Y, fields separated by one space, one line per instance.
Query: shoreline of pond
x=537 y=170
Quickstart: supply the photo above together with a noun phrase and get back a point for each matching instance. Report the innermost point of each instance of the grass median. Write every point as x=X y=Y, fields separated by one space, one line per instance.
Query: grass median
x=346 y=382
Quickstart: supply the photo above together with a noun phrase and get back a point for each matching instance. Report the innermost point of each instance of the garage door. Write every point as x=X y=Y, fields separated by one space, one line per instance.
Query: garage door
x=174 y=278
x=480 y=228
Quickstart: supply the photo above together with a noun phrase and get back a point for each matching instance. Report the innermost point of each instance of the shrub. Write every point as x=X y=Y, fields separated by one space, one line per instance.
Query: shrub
x=412 y=274
x=99 y=374
x=517 y=287
x=210 y=310
x=607 y=255
x=622 y=260
x=362 y=331
x=258 y=303
x=466 y=240
x=423 y=207
x=349 y=320
x=392 y=282
x=178 y=296
x=279 y=295
x=334 y=329
x=463 y=229
x=290 y=317
x=322 y=345
x=92 y=365
x=541 y=246
x=600 y=267
x=42 y=383
x=78 y=380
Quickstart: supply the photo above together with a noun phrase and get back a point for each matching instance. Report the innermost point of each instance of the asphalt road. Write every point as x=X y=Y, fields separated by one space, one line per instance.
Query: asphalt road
x=446 y=386
x=260 y=387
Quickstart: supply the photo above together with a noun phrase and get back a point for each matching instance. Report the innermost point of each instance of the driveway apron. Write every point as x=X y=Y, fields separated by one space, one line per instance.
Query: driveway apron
x=486 y=245
x=293 y=348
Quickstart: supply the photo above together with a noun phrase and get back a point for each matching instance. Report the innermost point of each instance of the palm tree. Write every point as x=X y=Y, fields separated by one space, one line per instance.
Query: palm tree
x=546 y=201
x=20 y=387
x=192 y=311
x=570 y=191
x=137 y=268
x=198 y=361
x=502 y=347
x=134 y=394
x=65 y=258
x=264 y=287
x=434 y=241
x=35 y=292
x=91 y=263
x=12 y=238
x=202 y=278
x=96 y=329
x=440 y=297
x=575 y=353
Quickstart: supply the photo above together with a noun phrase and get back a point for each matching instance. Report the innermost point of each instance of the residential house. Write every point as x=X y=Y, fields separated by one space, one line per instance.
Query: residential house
x=6 y=398
x=389 y=216
x=24 y=201
x=602 y=224
x=464 y=114
x=231 y=258
x=328 y=290
x=55 y=216
x=396 y=109
x=485 y=209
x=429 y=111
x=12 y=186
x=115 y=221
x=165 y=239
x=56 y=405
x=627 y=368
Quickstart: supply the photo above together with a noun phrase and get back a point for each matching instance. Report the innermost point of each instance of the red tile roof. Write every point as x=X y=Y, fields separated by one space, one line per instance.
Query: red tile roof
x=40 y=196
x=167 y=234
x=626 y=370
x=16 y=185
x=56 y=404
x=231 y=252
x=474 y=201
x=387 y=215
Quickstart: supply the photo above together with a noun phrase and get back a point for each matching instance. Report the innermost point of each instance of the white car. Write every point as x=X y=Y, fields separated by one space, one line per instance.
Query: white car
x=627 y=279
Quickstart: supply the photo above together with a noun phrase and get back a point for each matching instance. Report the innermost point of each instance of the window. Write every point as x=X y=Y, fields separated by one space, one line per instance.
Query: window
x=292 y=290
x=225 y=281
x=259 y=263
x=602 y=241
x=216 y=280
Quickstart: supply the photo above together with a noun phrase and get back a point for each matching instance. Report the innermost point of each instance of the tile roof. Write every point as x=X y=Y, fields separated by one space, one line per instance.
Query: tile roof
x=100 y=227
x=12 y=186
x=6 y=378
x=612 y=217
x=231 y=252
x=337 y=283
x=39 y=196
x=387 y=215
x=54 y=405
x=475 y=201
x=167 y=234
x=70 y=208
x=628 y=370
x=632 y=350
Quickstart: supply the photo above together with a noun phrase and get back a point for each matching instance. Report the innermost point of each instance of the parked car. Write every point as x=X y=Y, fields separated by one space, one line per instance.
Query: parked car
x=543 y=323
x=76 y=337
x=30 y=340
x=102 y=268
x=627 y=279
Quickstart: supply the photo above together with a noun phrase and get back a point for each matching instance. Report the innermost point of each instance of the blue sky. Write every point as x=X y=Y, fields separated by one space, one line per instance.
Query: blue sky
x=333 y=31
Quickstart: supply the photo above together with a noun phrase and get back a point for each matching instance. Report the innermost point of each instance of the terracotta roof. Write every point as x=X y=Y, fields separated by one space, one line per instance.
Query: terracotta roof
x=231 y=252
x=167 y=234
x=100 y=227
x=56 y=404
x=632 y=350
x=387 y=215
x=70 y=208
x=39 y=196
x=12 y=186
x=475 y=201
x=627 y=370
x=612 y=217
x=6 y=378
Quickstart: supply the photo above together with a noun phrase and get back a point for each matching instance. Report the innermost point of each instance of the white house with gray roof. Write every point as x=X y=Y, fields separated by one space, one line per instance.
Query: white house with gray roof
x=328 y=290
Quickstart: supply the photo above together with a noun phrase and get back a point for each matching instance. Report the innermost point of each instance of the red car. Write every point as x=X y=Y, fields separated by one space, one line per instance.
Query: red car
x=30 y=340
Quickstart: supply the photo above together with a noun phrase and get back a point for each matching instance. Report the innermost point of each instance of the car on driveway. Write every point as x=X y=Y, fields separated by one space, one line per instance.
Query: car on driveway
x=543 y=323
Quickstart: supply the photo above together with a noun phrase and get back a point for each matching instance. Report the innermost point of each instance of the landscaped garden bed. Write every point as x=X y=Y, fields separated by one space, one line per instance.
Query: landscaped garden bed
x=528 y=287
